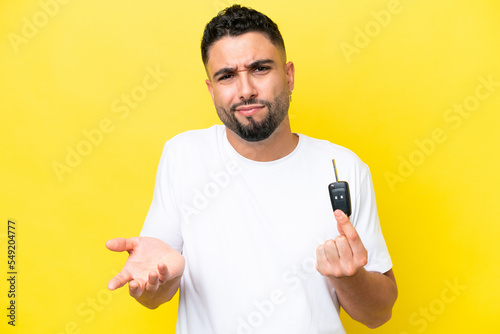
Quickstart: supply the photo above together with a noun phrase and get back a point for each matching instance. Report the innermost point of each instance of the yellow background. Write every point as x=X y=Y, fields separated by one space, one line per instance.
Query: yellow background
x=440 y=218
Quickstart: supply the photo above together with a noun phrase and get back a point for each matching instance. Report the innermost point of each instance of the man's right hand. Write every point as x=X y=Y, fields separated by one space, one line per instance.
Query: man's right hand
x=153 y=269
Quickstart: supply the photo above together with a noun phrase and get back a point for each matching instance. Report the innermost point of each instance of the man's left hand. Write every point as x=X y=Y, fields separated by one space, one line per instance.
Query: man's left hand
x=345 y=255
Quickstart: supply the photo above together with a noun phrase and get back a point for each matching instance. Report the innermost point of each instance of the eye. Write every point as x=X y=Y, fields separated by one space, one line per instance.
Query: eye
x=225 y=77
x=261 y=69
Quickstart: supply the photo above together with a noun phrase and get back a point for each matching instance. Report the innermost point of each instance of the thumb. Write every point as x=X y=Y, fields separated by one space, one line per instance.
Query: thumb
x=120 y=244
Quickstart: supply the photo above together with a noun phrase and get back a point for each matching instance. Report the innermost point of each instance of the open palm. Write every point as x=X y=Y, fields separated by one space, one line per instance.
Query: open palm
x=150 y=261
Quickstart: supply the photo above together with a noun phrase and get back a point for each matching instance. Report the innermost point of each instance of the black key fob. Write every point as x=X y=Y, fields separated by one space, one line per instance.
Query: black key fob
x=339 y=194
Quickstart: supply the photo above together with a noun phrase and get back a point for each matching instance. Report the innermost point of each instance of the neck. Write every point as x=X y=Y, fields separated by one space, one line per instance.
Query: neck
x=281 y=143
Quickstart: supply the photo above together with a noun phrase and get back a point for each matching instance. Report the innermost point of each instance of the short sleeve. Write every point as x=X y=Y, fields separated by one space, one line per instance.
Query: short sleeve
x=366 y=222
x=163 y=219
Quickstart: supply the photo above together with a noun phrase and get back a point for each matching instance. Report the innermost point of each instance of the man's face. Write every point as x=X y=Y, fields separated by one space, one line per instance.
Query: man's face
x=250 y=84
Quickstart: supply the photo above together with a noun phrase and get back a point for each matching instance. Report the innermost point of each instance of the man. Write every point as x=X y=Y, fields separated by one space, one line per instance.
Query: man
x=241 y=221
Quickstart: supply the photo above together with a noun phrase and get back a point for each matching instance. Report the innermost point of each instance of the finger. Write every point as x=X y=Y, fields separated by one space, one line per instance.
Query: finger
x=328 y=259
x=163 y=272
x=339 y=216
x=121 y=244
x=153 y=282
x=119 y=280
x=321 y=260
x=331 y=252
x=345 y=228
x=344 y=249
x=320 y=254
x=358 y=250
x=136 y=288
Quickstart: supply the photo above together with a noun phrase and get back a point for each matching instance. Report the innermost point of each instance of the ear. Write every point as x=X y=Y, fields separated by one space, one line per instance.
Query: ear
x=210 y=89
x=290 y=75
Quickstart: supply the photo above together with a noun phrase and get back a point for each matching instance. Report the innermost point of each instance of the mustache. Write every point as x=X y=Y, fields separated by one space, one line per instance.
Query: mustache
x=250 y=101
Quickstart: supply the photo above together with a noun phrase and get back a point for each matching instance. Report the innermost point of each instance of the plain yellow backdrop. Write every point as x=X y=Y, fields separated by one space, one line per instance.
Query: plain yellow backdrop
x=91 y=90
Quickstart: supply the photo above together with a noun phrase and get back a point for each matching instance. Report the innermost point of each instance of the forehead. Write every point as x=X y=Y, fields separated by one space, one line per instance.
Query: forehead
x=236 y=51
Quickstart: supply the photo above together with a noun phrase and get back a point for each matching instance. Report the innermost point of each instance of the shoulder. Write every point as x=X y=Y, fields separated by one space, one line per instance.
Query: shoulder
x=194 y=137
x=315 y=146
x=193 y=141
x=319 y=153
x=189 y=151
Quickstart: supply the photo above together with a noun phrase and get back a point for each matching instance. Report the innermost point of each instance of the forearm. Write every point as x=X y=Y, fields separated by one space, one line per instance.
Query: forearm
x=164 y=293
x=367 y=297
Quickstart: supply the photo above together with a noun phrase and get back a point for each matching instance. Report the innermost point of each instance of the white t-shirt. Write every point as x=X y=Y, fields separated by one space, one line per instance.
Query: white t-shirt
x=249 y=232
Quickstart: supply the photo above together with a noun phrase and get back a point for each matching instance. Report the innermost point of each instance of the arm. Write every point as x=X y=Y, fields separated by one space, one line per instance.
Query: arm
x=153 y=269
x=367 y=297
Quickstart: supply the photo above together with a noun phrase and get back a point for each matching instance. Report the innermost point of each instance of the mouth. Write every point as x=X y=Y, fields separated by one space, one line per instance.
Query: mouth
x=249 y=110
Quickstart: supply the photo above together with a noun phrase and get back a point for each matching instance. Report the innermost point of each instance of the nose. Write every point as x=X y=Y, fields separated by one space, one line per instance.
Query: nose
x=247 y=89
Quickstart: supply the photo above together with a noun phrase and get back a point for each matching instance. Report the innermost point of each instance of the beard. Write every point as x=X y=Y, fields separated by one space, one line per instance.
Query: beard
x=256 y=131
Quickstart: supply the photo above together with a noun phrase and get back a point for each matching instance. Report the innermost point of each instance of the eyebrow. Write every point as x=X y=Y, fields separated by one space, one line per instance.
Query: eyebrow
x=256 y=63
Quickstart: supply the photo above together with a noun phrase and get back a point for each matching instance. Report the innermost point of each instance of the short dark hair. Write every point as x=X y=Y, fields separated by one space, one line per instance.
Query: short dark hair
x=237 y=20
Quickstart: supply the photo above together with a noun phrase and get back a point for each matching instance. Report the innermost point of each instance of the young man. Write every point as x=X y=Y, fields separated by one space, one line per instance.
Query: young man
x=241 y=220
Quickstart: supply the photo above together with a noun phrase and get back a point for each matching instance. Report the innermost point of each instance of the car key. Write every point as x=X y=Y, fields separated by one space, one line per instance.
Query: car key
x=339 y=194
